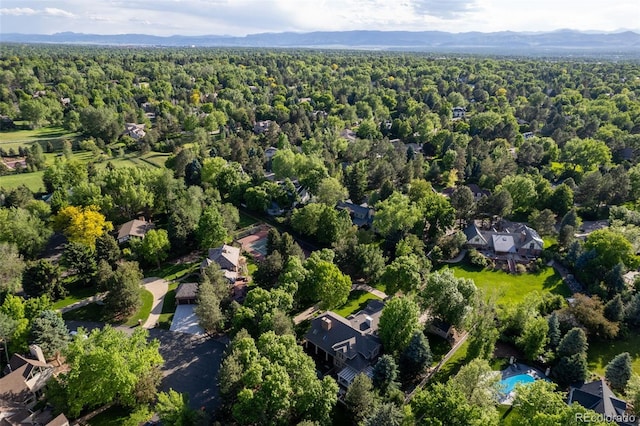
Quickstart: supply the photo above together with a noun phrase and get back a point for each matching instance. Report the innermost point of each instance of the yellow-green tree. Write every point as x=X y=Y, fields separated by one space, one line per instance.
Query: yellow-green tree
x=82 y=224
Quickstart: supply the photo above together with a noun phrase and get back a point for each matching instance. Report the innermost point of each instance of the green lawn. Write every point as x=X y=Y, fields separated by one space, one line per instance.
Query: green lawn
x=22 y=137
x=75 y=294
x=453 y=365
x=156 y=158
x=172 y=271
x=511 y=289
x=33 y=181
x=601 y=352
x=246 y=221
x=168 y=307
x=143 y=312
x=95 y=312
x=357 y=301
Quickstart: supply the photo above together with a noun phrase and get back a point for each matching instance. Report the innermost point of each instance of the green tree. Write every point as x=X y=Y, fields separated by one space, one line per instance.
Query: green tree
x=586 y=153
x=632 y=391
x=43 y=277
x=416 y=357
x=104 y=366
x=50 y=333
x=403 y=274
x=211 y=231
x=81 y=259
x=356 y=180
x=554 y=331
x=385 y=373
x=618 y=371
x=155 y=246
x=173 y=410
x=330 y=191
x=612 y=248
x=208 y=310
x=330 y=286
x=124 y=296
x=395 y=216
x=463 y=202
x=107 y=249
x=543 y=221
x=11 y=268
x=480 y=385
x=534 y=337
x=24 y=229
x=398 y=323
x=385 y=414
x=448 y=297
x=571 y=369
x=522 y=190
x=574 y=342
x=360 y=398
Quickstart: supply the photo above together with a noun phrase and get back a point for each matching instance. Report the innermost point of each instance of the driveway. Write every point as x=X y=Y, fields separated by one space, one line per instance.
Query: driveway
x=158 y=287
x=186 y=321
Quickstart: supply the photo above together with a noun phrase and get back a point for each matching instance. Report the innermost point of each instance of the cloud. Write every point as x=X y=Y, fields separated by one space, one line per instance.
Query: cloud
x=27 y=11
x=448 y=9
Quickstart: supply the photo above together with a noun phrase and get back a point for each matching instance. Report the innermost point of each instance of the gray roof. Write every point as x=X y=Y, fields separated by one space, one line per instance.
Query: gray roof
x=187 y=291
x=472 y=231
x=503 y=243
x=597 y=396
x=134 y=228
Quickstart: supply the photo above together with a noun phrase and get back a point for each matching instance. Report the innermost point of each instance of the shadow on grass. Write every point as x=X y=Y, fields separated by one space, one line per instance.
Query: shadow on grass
x=357 y=301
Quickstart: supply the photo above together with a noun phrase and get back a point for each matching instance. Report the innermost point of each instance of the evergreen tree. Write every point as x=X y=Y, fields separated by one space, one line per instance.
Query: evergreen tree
x=571 y=369
x=614 y=309
x=385 y=373
x=619 y=370
x=43 y=277
x=554 y=331
x=50 y=333
x=124 y=290
x=208 y=310
x=574 y=342
x=360 y=398
x=416 y=357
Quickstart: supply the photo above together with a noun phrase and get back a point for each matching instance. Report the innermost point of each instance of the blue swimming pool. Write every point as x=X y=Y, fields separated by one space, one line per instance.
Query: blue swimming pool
x=510 y=382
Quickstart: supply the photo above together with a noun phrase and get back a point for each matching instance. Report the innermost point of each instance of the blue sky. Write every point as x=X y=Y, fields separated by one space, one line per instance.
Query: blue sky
x=241 y=17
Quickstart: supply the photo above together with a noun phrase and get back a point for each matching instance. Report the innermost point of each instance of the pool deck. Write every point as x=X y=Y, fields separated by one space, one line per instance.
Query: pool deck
x=516 y=369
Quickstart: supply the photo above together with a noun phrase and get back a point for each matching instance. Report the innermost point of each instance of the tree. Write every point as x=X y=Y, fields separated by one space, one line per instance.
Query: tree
x=330 y=191
x=173 y=409
x=43 y=277
x=102 y=123
x=124 y=295
x=589 y=311
x=398 y=322
x=543 y=221
x=403 y=274
x=155 y=246
x=416 y=357
x=82 y=224
x=368 y=260
x=211 y=231
x=612 y=248
x=561 y=201
x=614 y=309
x=24 y=229
x=633 y=393
x=360 y=398
x=395 y=216
x=50 y=333
x=208 y=309
x=554 y=334
x=104 y=366
x=448 y=297
x=356 y=180
x=571 y=369
x=385 y=373
x=586 y=153
x=522 y=190
x=479 y=383
x=463 y=201
x=534 y=337
x=107 y=249
x=574 y=342
x=484 y=335
x=81 y=259
x=330 y=286
x=11 y=268
x=385 y=414
x=619 y=370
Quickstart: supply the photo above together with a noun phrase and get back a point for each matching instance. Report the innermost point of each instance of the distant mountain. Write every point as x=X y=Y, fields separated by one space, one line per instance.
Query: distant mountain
x=506 y=41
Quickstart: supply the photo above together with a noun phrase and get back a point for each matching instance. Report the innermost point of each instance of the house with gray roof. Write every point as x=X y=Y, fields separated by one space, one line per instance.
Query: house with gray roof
x=186 y=294
x=351 y=344
x=24 y=379
x=228 y=257
x=515 y=238
x=597 y=396
x=361 y=215
x=137 y=228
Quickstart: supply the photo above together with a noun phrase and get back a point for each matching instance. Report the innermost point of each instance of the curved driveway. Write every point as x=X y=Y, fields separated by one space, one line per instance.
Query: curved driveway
x=158 y=287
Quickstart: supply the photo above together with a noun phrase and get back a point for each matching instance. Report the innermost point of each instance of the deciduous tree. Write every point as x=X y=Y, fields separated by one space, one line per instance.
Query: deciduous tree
x=398 y=323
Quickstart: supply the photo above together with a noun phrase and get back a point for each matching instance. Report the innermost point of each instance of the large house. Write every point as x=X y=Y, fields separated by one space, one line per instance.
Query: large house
x=361 y=215
x=135 y=131
x=261 y=127
x=134 y=228
x=350 y=345
x=597 y=396
x=228 y=257
x=516 y=238
x=459 y=112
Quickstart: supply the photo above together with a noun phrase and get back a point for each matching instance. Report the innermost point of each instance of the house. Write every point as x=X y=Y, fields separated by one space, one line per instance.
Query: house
x=274 y=209
x=361 y=215
x=441 y=328
x=261 y=127
x=350 y=345
x=528 y=135
x=270 y=152
x=134 y=228
x=186 y=294
x=228 y=257
x=6 y=123
x=18 y=416
x=65 y=102
x=516 y=238
x=24 y=379
x=348 y=134
x=135 y=131
x=597 y=396
x=459 y=112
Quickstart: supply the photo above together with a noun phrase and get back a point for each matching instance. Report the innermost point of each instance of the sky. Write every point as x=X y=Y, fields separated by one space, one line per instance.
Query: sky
x=241 y=17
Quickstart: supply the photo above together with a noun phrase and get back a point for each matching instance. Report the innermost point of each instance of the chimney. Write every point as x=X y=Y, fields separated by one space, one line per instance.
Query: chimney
x=368 y=321
x=326 y=323
x=36 y=351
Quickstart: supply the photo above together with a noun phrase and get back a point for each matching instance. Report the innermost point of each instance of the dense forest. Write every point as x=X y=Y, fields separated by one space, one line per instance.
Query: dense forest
x=285 y=136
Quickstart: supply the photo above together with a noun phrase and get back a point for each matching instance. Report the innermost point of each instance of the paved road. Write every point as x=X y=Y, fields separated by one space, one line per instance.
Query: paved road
x=158 y=287
x=306 y=314
x=191 y=363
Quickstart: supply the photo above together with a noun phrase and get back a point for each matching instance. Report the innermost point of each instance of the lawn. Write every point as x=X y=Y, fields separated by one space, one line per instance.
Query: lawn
x=168 y=307
x=357 y=301
x=156 y=158
x=453 y=364
x=246 y=221
x=511 y=289
x=33 y=181
x=172 y=271
x=75 y=294
x=17 y=138
x=601 y=352
x=95 y=312
x=114 y=416
x=141 y=316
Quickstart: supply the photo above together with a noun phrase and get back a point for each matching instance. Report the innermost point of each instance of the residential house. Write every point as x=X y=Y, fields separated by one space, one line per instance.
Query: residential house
x=459 y=112
x=361 y=215
x=186 y=294
x=228 y=257
x=528 y=135
x=261 y=127
x=65 y=102
x=516 y=238
x=134 y=228
x=24 y=379
x=441 y=328
x=135 y=131
x=350 y=345
x=597 y=396
x=14 y=415
x=348 y=134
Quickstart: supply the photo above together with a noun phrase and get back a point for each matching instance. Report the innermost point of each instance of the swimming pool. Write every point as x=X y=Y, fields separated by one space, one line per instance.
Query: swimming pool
x=510 y=382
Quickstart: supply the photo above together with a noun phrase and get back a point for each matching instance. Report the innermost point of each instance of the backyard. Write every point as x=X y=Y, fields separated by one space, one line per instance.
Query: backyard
x=601 y=352
x=357 y=301
x=95 y=312
x=511 y=289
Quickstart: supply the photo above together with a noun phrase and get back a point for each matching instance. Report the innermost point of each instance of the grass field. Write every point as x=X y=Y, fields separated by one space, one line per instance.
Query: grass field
x=357 y=301
x=601 y=352
x=453 y=364
x=75 y=294
x=172 y=272
x=95 y=312
x=511 y=289
x=33 y=181
x=168 y=307
x=23 y=137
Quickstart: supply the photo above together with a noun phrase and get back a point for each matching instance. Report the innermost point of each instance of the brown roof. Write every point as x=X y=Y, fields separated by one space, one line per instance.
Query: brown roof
x=134 y=228
x=187 y=291
x=61 y=420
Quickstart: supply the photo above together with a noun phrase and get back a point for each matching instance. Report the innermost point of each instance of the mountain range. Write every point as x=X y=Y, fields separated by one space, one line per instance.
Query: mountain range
x=561 y=41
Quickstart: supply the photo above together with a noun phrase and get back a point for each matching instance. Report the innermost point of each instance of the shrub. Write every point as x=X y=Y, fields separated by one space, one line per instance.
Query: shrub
x=477 y=259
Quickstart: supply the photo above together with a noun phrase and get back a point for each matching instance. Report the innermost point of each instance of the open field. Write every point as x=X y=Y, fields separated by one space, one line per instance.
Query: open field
x=511 y=289
x=95 y=312
x=24 y=137
x=33 y=181
x=601 y=352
